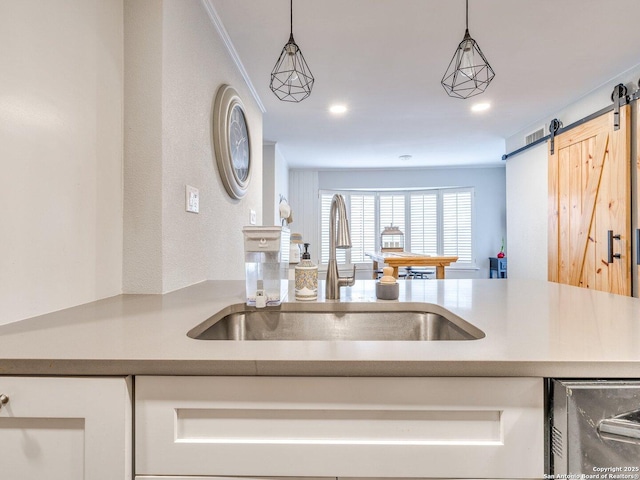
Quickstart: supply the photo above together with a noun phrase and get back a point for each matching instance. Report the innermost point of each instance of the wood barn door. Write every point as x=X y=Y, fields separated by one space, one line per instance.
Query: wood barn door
x=589 y=195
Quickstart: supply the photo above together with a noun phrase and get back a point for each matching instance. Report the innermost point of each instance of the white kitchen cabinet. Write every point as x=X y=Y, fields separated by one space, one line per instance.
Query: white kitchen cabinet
x=339 y=427
x=164 y=477
x=145 y=477
x=66 y=428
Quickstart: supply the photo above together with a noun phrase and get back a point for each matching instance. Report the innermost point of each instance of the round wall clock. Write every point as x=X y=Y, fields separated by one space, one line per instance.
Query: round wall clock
x=231 y=143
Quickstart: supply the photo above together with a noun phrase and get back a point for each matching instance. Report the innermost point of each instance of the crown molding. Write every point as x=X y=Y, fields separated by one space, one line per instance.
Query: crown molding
x=224 y=36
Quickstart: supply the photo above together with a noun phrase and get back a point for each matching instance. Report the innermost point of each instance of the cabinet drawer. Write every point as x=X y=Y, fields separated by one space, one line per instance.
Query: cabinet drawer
x=330 y=427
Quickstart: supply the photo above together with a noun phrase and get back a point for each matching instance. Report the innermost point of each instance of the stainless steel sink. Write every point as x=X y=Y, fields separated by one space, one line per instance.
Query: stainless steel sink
x=336 y=321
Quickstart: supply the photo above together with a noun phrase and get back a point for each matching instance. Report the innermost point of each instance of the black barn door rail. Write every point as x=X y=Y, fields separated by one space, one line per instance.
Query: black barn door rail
x=619 y=98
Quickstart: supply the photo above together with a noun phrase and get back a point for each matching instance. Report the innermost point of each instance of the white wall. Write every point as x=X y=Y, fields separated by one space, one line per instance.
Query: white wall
x=62 y=128
x=489 y=203
x=142 y=264
x=527 y=188
x=178 y=62
x=527 y=213
x=61 y=100
x=275 y=182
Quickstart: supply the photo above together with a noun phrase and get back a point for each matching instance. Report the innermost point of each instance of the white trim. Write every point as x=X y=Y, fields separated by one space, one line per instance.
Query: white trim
x=217 y=23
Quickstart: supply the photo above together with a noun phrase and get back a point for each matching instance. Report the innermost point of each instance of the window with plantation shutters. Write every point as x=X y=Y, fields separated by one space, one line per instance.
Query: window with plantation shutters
x=435 y=222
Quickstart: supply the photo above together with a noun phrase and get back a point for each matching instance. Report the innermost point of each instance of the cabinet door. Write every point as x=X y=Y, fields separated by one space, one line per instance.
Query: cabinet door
x=65 y=428
x=351 y=427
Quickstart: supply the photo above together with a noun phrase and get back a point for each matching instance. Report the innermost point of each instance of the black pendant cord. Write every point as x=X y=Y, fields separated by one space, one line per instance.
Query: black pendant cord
x=466 y=29
x=467 y=26
x=291 y=19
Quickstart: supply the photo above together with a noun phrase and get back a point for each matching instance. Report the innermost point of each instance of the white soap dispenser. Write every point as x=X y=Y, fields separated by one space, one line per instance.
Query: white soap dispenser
x=306 y=277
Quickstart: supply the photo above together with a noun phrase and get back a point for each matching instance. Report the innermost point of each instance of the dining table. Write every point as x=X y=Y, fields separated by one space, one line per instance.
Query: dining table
x=408 y=259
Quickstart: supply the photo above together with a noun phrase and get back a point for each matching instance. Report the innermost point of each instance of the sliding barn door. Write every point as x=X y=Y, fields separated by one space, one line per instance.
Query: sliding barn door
x=589 y=195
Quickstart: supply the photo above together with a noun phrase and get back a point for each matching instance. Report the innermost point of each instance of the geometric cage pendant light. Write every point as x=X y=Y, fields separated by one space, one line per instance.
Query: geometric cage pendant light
x=469 y=72
x=291 y=79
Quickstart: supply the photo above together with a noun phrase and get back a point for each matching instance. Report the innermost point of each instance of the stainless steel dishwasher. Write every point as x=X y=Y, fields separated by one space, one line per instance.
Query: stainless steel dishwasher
x=595 y=429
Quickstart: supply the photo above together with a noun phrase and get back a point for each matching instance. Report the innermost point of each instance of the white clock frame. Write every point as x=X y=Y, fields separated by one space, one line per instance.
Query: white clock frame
x=226 y=99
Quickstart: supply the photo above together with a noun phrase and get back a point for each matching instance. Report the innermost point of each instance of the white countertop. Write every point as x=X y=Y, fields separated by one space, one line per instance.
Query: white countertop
x=532 y=328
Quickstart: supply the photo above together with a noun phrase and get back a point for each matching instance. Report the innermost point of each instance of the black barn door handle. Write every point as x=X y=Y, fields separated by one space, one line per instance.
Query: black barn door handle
x=612 y=255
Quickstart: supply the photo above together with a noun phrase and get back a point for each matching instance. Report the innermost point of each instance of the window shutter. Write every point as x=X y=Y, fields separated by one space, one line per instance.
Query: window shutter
x=325 y=213
x=456 y=225
x=362 y=226
x=325 y=204
x=392 y=212
x=424 y=223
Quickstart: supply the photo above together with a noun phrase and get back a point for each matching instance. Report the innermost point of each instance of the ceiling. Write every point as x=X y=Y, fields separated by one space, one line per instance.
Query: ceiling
x=384 y=59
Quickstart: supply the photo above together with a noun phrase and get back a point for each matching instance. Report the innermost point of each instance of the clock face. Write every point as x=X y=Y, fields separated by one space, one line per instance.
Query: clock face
x=239 y=143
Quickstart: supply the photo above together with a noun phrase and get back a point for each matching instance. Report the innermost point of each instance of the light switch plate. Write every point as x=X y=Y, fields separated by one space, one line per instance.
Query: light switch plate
x=252 y=217
x=193 y=199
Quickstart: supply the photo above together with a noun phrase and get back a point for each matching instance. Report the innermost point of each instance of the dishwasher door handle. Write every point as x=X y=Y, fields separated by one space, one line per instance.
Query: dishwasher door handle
x=621 y=428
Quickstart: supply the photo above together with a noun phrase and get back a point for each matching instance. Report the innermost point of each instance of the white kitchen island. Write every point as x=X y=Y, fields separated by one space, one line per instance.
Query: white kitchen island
x=435 y=409
x=532 y=328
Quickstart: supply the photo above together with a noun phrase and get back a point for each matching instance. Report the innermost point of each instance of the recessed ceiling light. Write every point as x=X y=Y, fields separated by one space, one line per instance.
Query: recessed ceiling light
x=405 y=157
x=338 y=109
x=480 y=107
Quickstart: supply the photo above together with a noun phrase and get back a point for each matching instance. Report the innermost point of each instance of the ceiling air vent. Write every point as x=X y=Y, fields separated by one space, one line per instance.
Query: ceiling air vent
x=534 y=137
